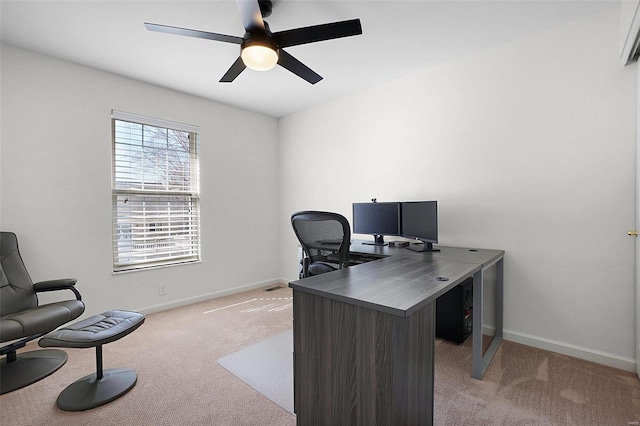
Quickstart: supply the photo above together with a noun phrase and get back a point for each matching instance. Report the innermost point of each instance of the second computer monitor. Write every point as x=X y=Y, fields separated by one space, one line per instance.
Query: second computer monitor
x=420 y=222
x=377 y=219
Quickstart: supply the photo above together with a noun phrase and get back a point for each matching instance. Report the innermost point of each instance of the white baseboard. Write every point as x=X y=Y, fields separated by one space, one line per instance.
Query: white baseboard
x=611 y=360
x=488 y=330
x=209 y=296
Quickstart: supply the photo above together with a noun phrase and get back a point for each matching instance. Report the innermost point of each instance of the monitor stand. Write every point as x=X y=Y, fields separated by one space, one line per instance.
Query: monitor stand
x=378 y=240
x=425 y=247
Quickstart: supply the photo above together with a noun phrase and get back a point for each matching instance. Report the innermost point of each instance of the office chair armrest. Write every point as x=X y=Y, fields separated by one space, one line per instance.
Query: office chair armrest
x=59 y=284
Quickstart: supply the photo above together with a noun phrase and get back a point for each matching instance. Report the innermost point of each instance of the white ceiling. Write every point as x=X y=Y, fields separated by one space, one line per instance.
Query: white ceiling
x=399 y=38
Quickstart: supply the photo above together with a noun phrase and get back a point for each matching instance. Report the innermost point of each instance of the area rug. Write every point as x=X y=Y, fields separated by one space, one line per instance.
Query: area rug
x=267 y=367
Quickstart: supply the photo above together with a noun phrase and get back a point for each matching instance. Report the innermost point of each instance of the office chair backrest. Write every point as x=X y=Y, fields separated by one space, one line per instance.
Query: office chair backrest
x=322 y=234
x=16 y=288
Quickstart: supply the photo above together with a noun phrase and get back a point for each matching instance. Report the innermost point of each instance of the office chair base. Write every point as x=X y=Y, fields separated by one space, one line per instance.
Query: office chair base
x=29 y=367
x=90 y=392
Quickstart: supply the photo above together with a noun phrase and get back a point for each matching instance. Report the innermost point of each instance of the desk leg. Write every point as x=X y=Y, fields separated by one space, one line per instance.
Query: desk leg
x=499 y=299
x=480 y=363
x=476 y=350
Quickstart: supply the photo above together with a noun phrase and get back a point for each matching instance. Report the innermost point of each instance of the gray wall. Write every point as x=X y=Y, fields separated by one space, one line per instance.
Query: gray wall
x=528 y=147
x=56 y=183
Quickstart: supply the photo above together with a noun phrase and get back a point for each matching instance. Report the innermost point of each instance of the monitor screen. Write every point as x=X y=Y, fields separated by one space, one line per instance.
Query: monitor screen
x=377 y=219
x=420 y=221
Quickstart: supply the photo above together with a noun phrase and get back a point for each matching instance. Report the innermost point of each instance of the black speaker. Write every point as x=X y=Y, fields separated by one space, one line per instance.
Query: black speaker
x=454 y=312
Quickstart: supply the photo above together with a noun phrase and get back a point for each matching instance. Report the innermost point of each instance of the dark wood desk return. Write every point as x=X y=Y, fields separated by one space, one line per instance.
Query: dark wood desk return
x=364 y=336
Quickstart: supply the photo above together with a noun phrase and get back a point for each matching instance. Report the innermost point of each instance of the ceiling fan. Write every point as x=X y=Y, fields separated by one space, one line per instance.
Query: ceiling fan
x=261 y=49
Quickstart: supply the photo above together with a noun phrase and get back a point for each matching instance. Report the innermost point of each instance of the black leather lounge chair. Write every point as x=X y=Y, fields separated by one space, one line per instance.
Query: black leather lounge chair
x=22 y=319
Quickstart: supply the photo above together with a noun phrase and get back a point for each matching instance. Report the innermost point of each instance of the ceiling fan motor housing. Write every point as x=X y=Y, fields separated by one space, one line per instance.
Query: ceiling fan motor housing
x=259 y=40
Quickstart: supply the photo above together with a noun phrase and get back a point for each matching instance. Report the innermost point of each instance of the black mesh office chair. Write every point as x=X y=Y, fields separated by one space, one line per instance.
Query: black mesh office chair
x=325 y=238
x=22 y=319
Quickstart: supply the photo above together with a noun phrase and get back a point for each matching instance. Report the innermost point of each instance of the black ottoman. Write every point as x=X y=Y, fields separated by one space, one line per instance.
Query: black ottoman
x=101 y=387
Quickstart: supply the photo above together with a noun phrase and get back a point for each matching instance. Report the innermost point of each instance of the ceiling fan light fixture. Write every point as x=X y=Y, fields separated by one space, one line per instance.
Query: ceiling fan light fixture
x=261 y=55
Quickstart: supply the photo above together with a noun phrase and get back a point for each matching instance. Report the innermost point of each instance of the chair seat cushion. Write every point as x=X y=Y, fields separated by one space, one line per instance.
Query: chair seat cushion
x=318 y=268
x=38 y=320
x=94 y=331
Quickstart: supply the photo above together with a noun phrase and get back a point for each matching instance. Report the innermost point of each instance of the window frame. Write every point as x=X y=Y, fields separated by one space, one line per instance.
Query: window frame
x=172 y=243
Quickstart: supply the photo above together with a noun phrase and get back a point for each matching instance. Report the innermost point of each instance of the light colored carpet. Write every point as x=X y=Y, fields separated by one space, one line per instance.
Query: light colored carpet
x=267 y=367
x=180 y=382
x=527 y=386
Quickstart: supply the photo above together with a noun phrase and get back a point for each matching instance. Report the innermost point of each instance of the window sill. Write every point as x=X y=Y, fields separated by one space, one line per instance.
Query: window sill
x=150 y=267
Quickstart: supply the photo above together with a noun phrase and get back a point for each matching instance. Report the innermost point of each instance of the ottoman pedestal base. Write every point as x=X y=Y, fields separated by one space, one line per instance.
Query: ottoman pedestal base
x=90 y=392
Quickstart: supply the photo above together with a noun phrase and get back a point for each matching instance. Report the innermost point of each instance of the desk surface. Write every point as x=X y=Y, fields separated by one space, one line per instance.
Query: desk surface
x=402 y=282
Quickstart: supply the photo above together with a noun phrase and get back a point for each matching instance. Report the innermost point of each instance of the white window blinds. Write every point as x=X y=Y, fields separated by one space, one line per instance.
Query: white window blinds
x=155 y=192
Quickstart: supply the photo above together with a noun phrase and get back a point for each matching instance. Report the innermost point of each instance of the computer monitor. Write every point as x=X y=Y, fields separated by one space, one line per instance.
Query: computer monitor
x=377 y=219
x=420 y=222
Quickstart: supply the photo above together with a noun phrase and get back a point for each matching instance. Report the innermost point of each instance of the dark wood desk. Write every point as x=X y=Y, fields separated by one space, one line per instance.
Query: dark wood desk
x=364 y=336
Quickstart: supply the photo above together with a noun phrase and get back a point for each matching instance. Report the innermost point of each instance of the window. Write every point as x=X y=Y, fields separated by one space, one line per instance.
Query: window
x=155 y=192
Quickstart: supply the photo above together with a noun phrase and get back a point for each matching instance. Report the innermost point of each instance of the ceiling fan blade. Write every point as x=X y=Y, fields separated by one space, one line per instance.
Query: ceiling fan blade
x=316 y=33
x=235 y=70
x=298 y=68
x=193 y=33
x=250 y=15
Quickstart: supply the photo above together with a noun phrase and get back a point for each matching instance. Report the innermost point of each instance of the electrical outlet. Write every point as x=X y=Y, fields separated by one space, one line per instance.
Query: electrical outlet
x=162 y=290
